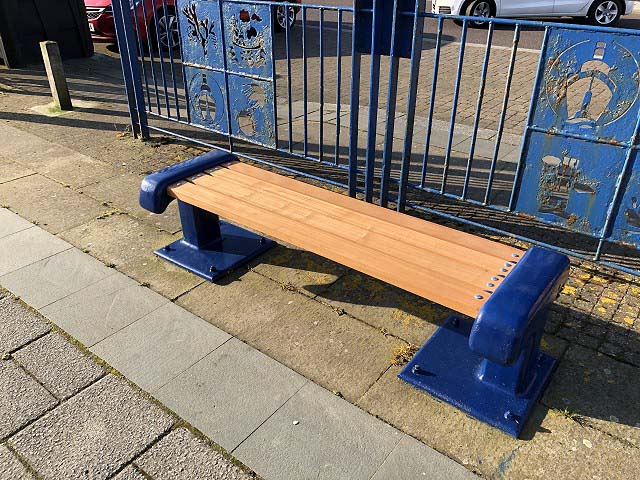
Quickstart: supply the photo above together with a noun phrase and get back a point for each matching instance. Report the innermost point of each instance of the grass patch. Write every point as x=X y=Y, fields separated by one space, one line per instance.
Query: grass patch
x=401 y=354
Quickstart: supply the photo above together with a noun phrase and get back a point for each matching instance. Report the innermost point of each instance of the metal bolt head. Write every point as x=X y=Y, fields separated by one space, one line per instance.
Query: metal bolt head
x=504 y=270
x=213 y=269
x=494 y=279
x=263 y=240
x=515 y=255
x=416 y=369
x=478 y=297
x=455 y=322
x=508 y=264
x=490 y=284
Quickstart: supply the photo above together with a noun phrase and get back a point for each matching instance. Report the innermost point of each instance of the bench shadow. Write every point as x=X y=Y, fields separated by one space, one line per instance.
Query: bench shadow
x=587 y=387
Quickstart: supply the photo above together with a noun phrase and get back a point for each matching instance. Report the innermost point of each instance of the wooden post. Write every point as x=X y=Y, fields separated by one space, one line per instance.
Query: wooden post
x=55 y=74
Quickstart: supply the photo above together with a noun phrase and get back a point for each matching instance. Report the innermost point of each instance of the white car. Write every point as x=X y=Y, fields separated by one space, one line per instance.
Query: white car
x=603 y=13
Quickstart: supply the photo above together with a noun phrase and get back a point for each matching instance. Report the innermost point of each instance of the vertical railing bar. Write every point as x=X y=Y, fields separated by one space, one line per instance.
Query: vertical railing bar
x=432 y=101
x=454 y=106
x=305 y=94
x=374 y=82
x=153 y=70
x=136 y=31
x=184 y=74
x=170 y=47
x=416 y=54
x=321 y=92
x=275 y=89
x=354 y=102
x=527 y=131
x=161 y=60
x=391 y=112
x=476 y=122
x=338 y=85
x=223 y=42
x=503 y=113
x=288 y=45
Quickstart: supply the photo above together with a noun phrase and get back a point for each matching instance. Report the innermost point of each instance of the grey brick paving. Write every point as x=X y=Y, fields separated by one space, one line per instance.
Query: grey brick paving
x=230 y=392
x=159 y=346
x=103 y=308
x=11 y=223
x=183 y=456
x=11 y=468
x=53 y=278
x=59 y=365
x=18 y=325
x=93 y=434
x=28 y=246
x=316 y=434
x=22 y=399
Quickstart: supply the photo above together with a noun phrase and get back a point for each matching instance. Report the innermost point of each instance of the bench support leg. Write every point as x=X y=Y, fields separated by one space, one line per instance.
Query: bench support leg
x=211 y=248
x=500 y=395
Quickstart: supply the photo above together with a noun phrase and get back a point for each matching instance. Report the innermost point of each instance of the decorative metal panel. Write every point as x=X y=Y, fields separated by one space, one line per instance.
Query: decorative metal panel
x=201 y=33
x=207 y=98
x=248 y=38
x=229 y=46
x=583 y=127
x=626 y=227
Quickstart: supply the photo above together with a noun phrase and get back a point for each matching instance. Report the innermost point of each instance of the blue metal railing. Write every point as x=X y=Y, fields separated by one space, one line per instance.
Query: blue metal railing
x=157 y=85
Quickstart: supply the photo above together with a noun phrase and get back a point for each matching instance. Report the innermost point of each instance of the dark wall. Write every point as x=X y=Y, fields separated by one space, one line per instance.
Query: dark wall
x=25 y=23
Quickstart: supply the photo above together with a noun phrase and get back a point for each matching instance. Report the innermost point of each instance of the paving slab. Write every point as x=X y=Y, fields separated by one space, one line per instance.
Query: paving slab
x=230 y=392
x=11 y=170
x=130 y=473
x=316 y=434
x=383 y=306
x=122 y=191
x=93 y=434
x=28 y=246
x=474 y=444
x=55 y=277
x=301 y=333
x=103 y=308
x=413 y=459
x=159 y=346
x=12 y=468
x=11 y=223
x=128 y=243
x=18 y=325
x=59 y=365
x=598 y=389
x=562 y=448
x=55 y=207
x=73 y=168
x=183 y=456
x=22 y=399
x=301 y=269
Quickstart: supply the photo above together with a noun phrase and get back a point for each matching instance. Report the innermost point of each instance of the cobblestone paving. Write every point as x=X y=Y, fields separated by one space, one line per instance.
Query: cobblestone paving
x=65 y=415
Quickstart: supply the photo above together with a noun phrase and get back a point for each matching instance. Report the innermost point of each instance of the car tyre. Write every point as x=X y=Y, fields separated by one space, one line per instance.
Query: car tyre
x=605 y=13
x=481 y=8
x=167 y=25
x=279 y=17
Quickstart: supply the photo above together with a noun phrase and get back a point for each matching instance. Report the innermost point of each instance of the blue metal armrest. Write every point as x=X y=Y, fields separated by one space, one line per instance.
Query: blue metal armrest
x=153 y=191
x=494 y=369
x=210 y=247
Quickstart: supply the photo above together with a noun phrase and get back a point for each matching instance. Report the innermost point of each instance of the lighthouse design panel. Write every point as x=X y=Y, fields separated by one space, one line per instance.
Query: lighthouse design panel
x=584 y=124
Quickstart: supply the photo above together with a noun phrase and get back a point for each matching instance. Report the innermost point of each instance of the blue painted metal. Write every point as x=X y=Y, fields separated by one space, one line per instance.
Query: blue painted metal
x=494 y=369
x=374 y=83
x=376 y=16
x=338 y=85
x=210 y=248
x=354 y=101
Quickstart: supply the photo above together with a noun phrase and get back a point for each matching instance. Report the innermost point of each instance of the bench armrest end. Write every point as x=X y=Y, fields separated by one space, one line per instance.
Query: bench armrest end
x=153 y=190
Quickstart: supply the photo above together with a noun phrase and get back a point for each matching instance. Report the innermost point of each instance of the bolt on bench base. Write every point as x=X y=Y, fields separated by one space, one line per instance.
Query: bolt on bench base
x=448 y=369
x=236 y=247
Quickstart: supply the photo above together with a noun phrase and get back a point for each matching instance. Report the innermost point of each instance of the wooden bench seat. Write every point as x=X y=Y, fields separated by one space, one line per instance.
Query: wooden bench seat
x=452 y=268
x=492 y=369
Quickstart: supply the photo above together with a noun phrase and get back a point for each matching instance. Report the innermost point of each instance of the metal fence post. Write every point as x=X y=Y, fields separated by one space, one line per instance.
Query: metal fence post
x=123 y=16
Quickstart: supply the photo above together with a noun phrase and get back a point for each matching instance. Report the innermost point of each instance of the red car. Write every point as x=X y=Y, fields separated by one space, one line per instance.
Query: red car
x=102 y=27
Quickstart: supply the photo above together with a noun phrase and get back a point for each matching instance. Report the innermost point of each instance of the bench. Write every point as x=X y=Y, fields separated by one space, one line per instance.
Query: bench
x=491 y=368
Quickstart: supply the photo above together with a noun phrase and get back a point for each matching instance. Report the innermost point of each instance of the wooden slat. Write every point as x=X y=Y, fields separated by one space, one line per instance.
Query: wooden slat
x=450 y=235
x=425 y=244
x=309 y=213
x=443 y=290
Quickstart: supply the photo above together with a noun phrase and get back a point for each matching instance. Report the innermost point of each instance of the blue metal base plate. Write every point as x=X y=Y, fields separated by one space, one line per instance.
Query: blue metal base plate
x=236 y=247
x=447 y=369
